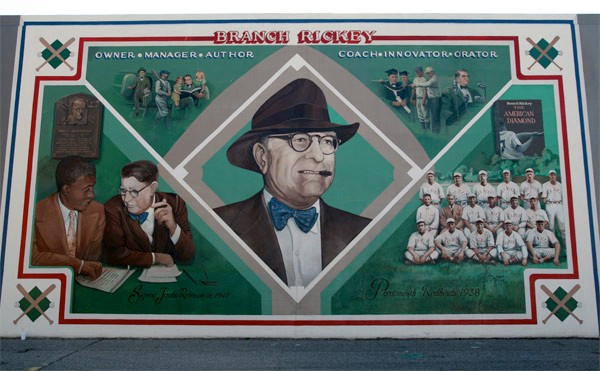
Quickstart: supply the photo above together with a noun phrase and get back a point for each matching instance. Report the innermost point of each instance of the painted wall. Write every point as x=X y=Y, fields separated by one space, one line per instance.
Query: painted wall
x=524 y=72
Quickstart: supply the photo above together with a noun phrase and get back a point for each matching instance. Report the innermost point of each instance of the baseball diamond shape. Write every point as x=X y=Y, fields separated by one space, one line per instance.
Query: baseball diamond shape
x=394 y=169
x=547 y=59
x=34 y=313
x=55 y=61
x=561 y=314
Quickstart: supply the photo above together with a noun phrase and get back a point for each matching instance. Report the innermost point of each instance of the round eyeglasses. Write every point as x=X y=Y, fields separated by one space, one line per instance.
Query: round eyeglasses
x=300 y=142
x=132 y=192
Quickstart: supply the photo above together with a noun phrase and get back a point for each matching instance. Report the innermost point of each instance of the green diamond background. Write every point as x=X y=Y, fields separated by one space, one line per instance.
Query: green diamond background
x=34 y=313
x=55 y=62
x=546 y=59
x=561 y=314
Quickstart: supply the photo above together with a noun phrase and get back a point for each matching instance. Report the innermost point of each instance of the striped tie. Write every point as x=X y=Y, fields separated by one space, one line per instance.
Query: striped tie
x=71 y=239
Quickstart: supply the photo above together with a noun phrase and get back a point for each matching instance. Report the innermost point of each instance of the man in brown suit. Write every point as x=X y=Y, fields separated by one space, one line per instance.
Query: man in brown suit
x=454 y=211
x=292 y=144
x=143 y=226
x=69 y=223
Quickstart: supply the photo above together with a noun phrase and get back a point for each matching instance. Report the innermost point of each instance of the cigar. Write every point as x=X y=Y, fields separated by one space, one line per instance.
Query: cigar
x=325 y=173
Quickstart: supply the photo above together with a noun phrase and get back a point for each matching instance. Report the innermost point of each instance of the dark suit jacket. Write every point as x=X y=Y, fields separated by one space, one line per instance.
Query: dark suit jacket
x=127 y=244
x=50 y=238
x=251 y=221
x=454 y=104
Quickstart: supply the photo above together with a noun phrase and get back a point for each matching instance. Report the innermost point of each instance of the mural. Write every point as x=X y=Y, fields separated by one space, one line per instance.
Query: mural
x=288 y=180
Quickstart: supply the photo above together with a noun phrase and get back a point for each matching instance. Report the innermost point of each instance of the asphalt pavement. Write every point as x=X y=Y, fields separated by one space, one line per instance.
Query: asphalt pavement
x=303 y=354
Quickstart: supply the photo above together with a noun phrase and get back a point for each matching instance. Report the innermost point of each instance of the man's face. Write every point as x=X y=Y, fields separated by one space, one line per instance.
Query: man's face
x=491 y=202
x=506 y=177
x=419 y=73
x=533 y=203
x=458 y=180
x=514 y=202
x=145 y=198
x=529 y=176
x=479 y=226
x=142 y=73
x=78 y=109
x=393 y=79
x=421 y=228
x=472 y=201
x=404 y=79
x=430 y=178
x=483 y=178
x=427 y=200
x=80 y=194
x=451 y=227
x=462 y=79
x=552 y=178
x=430 y=74
x=539 y=225
x=508 y=228
x=188 y=80
x=450 y=199
x=293 y=177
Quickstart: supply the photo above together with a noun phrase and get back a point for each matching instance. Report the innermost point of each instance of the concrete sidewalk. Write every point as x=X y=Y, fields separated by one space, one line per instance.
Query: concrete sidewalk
x=290 y=354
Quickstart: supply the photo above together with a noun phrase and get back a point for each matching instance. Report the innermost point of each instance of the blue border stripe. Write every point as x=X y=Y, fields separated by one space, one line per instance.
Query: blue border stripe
x=588 y=187
x=11 y=160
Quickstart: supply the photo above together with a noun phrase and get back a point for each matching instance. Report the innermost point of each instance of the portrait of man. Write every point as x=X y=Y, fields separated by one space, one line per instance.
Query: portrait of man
x=145 y=226
x=292 y=144
x=69 y=224
x=458 y=98
x=77 y=112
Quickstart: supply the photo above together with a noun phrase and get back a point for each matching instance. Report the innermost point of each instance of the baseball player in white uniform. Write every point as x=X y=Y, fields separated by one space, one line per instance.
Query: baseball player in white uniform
x=530 y=188
x=421 y=249
x=542 y=244
x=459 y=190
x=483 y=189
x=470 y=214
x=494 y=216
x=452 y=243
x=552 y=197
x=430 y=215
x=510 y=245
x=481 y=245
x=517 y=216
x=533 y=213
x=432 y=188
x=506 y=190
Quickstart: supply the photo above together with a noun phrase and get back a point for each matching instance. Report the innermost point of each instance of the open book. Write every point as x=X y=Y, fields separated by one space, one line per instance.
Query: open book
x=109 y=281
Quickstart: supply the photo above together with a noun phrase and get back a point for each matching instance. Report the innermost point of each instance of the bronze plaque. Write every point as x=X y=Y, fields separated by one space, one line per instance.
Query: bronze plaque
x=77 y=126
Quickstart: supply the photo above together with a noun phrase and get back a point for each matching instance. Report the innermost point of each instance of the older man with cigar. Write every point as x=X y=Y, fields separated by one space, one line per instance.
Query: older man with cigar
x=292 y=144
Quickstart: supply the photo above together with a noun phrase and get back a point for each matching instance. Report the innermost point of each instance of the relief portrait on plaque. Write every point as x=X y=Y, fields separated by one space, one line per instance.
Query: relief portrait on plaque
x=77 y=125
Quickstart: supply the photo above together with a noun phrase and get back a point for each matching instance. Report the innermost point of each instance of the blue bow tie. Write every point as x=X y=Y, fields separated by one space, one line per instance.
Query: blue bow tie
x=141 y=218
x=280 y=213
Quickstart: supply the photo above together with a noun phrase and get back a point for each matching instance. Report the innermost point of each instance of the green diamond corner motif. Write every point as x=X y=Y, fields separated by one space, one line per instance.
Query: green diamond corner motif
x=561 y=314
x=549 y=56
x=49 y=55
x=34 y=314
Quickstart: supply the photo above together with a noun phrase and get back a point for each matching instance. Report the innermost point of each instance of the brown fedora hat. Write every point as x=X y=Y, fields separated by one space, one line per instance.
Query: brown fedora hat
x=300 y=106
